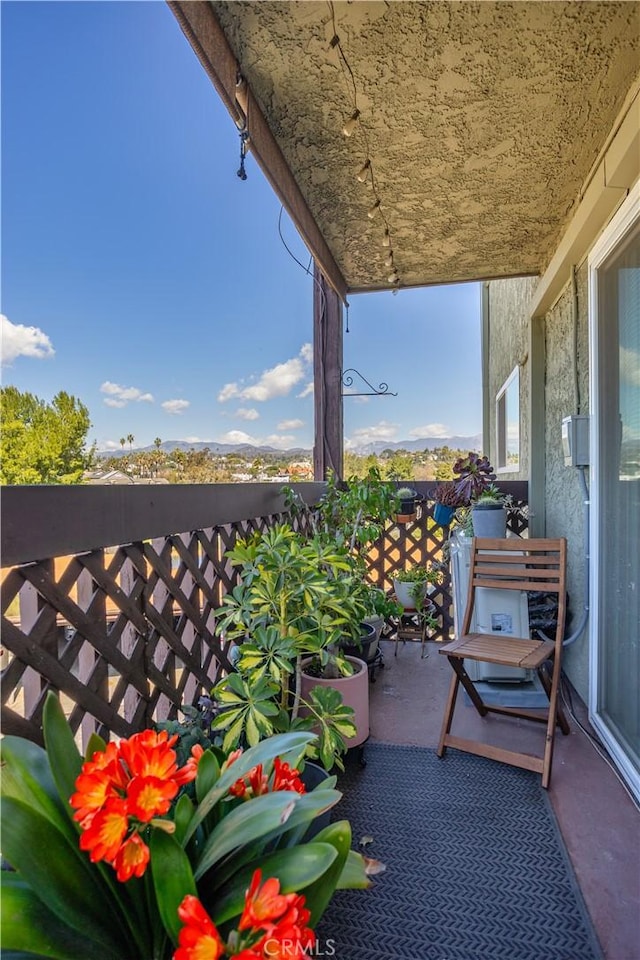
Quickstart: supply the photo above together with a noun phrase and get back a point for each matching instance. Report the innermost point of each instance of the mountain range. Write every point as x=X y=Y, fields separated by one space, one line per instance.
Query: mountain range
x=365 y=449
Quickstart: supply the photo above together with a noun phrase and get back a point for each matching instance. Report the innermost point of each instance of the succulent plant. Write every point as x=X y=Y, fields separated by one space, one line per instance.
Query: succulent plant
x=474 y=475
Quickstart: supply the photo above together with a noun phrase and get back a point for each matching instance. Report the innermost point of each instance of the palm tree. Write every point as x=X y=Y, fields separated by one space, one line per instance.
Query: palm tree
x=130 y=439
x=122 y=442
x=157 y=442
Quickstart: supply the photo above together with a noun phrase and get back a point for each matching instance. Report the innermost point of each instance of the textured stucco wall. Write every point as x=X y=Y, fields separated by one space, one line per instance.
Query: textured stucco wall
x=564 y=500
x=509 y=347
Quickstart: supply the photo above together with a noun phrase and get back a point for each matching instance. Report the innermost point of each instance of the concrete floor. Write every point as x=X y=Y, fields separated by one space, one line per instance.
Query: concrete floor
x=599 y=822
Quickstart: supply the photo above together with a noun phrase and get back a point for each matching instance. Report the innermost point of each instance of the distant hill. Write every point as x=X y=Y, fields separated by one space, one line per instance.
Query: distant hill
x=248 y=450
x=425 y=443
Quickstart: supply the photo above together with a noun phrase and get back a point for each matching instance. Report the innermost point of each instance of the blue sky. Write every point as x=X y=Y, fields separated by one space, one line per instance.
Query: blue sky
x=141 y=275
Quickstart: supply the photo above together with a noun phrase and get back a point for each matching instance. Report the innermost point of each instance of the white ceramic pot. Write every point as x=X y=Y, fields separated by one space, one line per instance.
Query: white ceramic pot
x=403 y=591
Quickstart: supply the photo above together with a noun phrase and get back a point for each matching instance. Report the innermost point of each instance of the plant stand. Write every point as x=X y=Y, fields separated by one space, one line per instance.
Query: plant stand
x=412 y=626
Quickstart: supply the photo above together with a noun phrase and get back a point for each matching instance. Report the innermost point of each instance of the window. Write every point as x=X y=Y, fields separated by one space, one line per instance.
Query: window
x=508 y=424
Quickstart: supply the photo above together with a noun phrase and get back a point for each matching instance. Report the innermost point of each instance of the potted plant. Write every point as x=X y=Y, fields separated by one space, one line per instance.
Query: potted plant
x=473 y=473
x=489 y=514
x=380 y=608
x=447 y=500
x=407 y=500
x=412 y=585
x=298 y=598
x=127 y=856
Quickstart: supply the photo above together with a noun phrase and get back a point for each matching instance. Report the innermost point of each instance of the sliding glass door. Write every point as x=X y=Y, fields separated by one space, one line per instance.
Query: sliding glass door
x=615 y=486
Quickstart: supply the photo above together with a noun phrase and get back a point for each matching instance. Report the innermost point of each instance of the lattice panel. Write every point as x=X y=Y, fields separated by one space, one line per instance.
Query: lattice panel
x=421 y=542
x=125 y=636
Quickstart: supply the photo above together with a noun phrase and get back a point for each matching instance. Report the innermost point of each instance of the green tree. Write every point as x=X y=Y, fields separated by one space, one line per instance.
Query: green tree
x=43 y=442
x=130 y=439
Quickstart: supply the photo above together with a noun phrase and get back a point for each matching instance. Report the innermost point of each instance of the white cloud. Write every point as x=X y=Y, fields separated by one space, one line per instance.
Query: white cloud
x=630 y=366
x=237 y=436
x=110 y=445
x=379 y=431
x=118 y=396
x=290 y=424
x=430 y=430
x=175 y=406
x=197 y=440
x=245 y=413
x=278 y=381
x=228 y=392
x=307 y=391
x=21 y=341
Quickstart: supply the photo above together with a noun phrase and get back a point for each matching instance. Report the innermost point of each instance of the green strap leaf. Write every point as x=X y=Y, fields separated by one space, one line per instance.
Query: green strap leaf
x=245 y=823
x=64 y=758
x=29 y=928
x=26 y=776
x=58 y=872
x=354 y=875
x=172 y=879
x=295 y=869
x=265 y=751
x=319 y=894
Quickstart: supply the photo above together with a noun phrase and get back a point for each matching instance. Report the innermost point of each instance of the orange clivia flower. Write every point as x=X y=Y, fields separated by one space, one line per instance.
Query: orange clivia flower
x=264 y=905
x=198 y=939
x=131 y=859
x=190 y=769
x=286 y=777
x=149 y=796
x=107 y=831
x=149 y=754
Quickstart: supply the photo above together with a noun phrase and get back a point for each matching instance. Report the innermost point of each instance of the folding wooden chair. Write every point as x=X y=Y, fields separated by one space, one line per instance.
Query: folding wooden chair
x=538 y=565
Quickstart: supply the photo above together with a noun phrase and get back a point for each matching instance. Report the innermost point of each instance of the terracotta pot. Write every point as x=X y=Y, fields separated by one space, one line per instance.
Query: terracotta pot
x=354 y=691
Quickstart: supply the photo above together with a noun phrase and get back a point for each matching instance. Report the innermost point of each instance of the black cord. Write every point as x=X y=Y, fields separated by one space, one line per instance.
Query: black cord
x=596 y=743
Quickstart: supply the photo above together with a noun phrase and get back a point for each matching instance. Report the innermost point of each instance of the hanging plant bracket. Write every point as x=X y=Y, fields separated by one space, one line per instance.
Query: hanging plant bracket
x=382 y=390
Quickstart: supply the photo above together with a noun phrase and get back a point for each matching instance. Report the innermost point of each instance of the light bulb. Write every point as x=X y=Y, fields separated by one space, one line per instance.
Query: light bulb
x=351 y=123
x=393 y=277
x=386 y=240
x=389 y=259
x=363 y=172
x=371 y=212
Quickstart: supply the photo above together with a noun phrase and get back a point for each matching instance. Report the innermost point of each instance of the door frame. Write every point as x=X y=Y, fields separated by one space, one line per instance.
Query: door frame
x=622 y=222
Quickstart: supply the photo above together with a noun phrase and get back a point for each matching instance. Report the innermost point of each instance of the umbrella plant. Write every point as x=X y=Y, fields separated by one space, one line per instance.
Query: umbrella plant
x=112 y=858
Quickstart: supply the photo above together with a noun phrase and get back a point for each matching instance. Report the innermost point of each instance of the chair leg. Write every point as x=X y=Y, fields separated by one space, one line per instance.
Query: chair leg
x=551 y=725
x=562 y=717
x=448 y=713
x=468 y=685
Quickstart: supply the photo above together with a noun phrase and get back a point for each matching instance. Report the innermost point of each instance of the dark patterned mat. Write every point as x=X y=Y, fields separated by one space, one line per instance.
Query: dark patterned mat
x=475 y=865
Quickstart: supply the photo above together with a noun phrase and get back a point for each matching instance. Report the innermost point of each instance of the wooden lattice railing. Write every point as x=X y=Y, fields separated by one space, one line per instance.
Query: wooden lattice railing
x=126 y=633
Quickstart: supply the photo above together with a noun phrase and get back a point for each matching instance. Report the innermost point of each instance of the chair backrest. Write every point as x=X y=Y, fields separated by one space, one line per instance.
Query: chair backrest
x=536 y=565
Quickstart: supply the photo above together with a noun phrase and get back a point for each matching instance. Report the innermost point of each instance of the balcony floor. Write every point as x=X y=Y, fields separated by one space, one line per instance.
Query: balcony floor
x=598 y=820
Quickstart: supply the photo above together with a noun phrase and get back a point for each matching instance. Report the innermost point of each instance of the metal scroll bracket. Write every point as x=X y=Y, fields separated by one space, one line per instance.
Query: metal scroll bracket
x=382 y=390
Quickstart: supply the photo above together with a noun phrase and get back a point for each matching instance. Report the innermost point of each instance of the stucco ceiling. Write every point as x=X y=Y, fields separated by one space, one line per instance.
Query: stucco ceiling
x=482 y=121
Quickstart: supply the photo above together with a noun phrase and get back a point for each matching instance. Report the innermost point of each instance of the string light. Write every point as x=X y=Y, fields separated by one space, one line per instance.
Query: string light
x=351 y=123
x=366 y=172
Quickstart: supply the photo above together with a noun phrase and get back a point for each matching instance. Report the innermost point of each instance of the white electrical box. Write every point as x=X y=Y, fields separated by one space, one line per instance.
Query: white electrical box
x=575 y=440
x=502 y=612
